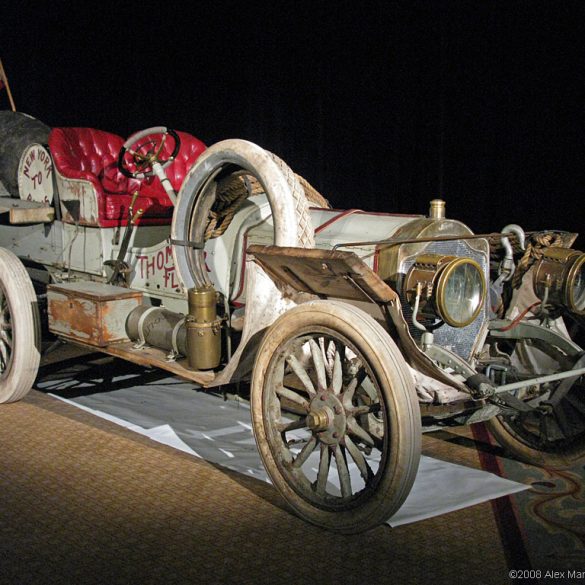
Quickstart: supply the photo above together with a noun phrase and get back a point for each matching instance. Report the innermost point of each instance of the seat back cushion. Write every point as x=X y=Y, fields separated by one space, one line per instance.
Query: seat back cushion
x=77 y=151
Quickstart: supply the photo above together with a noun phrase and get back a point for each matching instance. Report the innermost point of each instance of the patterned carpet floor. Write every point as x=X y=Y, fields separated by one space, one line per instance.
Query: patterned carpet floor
x=83 y=500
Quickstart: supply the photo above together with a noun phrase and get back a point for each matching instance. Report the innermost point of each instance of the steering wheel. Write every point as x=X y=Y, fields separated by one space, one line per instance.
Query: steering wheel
x=145 y=150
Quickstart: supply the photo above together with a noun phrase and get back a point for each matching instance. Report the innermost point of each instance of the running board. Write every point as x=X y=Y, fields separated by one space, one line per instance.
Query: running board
x=151 y=357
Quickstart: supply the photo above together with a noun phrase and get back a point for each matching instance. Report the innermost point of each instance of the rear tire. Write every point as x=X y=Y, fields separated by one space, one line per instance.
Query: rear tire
x=20 y=334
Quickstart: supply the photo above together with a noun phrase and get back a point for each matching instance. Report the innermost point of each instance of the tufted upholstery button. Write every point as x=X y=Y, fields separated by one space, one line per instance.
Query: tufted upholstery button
x=91 y=155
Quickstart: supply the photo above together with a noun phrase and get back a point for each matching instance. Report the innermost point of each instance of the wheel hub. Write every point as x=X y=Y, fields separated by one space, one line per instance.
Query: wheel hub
x=326 y=418
x=318 y=420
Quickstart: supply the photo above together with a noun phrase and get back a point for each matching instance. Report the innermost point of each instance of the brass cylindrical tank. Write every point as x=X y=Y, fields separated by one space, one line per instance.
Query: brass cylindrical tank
x=203 y=329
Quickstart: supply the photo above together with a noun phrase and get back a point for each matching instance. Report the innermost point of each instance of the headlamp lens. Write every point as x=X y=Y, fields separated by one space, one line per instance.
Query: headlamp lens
x=578 y=289
x=462 y=296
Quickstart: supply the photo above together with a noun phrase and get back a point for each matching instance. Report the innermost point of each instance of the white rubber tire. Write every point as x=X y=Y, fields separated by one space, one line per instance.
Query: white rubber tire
x=306 y=232
x=397 y=386
x=290 y=210
x=21 y=322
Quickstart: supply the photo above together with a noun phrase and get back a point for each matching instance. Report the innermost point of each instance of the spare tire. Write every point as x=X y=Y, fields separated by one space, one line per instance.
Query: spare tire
x=290 y=209
x=17 y=131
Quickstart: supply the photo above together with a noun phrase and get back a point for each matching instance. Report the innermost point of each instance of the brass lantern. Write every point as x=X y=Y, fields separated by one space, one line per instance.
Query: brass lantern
x=451 y=288
x=559 y=279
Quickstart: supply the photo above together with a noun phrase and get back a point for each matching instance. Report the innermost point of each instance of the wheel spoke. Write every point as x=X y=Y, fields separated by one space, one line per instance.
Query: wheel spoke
x=301 y=374
x=348 y=394
x=323 y=474
x=354 y=428
x=360 y=460
x=293 y=397
x=5 y=325
x=327 y=361
x=366 y=409
x=343 y=472
x=6 y=338
x=319 y=364
x=337 y=375
x=3 y=355
x=305 y=452
x=285 y=427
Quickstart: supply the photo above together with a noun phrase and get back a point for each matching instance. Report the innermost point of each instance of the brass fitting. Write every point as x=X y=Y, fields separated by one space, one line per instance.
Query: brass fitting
x=318 y=420
x=437 y=209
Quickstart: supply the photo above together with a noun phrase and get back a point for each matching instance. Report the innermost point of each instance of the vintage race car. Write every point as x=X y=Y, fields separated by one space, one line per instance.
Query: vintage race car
x=356 y=330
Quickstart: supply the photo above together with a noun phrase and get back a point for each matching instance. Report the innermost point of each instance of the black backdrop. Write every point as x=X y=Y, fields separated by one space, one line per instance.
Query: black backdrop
x=381 y=105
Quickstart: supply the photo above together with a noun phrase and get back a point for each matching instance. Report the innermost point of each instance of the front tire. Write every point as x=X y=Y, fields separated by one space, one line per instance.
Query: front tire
x=20 y=333
x=332 y=395
x=553 y=434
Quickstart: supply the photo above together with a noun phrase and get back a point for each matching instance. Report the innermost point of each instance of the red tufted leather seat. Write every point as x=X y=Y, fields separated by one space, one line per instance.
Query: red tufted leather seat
x=90 y=182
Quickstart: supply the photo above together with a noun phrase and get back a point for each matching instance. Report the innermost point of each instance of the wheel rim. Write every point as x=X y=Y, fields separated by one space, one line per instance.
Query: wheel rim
x=6 y=344
x=326 y=419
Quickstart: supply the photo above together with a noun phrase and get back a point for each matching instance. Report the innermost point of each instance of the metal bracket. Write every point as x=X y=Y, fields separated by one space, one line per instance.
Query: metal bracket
x=141 y=341
x=450 y=359
x=188 y=243
x=175 y=353
x=507 y=267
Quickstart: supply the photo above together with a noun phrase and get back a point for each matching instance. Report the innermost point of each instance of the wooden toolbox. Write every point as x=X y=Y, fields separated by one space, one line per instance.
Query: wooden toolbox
x=90 y=312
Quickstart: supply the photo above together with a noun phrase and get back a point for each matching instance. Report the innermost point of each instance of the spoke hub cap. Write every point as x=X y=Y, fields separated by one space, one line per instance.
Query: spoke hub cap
x=327 y=418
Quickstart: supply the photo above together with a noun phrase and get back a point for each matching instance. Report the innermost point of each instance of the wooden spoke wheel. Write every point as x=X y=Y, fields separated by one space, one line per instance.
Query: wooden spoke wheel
x=335 y=416
x=551 y=433
x=19 y=329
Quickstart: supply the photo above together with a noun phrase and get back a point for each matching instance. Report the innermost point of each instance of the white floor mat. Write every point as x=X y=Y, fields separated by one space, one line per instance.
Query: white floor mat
x=170 y=411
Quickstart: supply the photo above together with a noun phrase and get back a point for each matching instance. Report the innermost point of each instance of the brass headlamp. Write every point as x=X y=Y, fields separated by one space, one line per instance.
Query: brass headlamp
x=559 y=279
x=450 y=288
